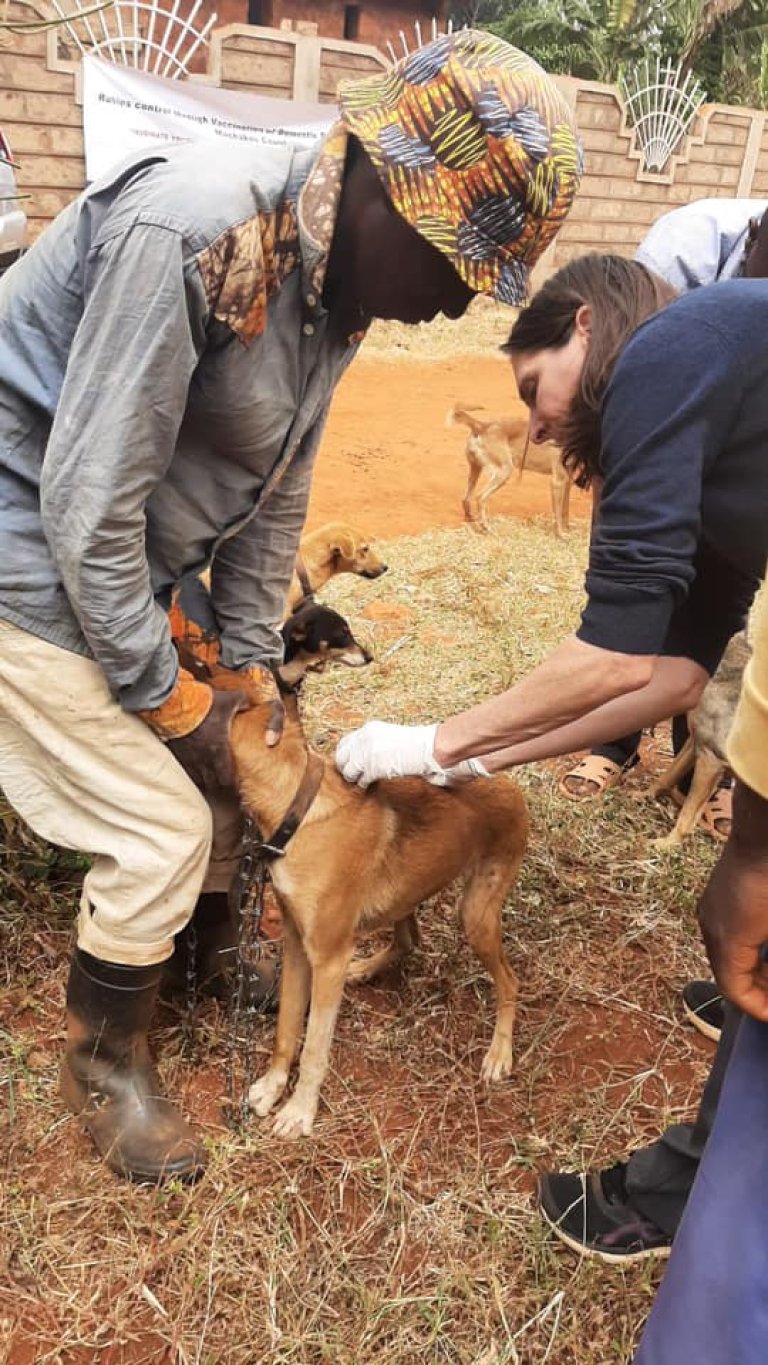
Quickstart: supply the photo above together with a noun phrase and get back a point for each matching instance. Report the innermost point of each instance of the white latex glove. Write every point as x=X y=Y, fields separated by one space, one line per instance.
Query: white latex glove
x=381 y=750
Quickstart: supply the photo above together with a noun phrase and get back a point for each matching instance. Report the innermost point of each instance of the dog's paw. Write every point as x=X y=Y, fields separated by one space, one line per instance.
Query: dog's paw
x=664 y=845
x=264 y=1093
x=295 y=1119
x=497 y=1062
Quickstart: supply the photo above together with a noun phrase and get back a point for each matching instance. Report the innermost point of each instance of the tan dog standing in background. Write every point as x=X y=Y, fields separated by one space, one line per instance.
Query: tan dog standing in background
x=494 y=450
x=331 y=549
x=360 y=860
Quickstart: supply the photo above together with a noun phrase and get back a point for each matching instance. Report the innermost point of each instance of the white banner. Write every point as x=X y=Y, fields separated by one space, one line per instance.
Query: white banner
x=126 y=110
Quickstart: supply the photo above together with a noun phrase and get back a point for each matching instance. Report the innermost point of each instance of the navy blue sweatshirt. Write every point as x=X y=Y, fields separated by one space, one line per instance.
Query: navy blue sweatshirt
x=681 y=540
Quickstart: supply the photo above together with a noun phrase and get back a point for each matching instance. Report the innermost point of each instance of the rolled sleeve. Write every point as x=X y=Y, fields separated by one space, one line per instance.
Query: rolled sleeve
x=113 y=438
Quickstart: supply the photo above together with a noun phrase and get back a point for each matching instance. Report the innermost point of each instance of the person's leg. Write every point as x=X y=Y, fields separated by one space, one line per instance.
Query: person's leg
x=712 y=1306
x=659 y=1178
x=86 y=776
x=205 y=953
x=632 y=1210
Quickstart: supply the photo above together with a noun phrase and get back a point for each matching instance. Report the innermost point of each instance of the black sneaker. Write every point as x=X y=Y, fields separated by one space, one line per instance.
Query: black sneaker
x=703 y=1004
x=590 y=1213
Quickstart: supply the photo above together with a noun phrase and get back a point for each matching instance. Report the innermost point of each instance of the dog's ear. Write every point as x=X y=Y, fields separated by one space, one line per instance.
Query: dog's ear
x=344 y=546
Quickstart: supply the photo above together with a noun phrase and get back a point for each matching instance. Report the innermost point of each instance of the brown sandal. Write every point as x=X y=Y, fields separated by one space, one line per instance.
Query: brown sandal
x=716 y=816
x=592 y=776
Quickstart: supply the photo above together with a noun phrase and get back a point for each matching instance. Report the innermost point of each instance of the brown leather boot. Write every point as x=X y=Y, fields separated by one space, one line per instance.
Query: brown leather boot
x=107 y=1076
x=215 y=965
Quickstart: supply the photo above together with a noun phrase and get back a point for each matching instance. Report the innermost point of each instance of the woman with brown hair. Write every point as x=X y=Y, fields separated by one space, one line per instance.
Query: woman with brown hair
x=663 y=407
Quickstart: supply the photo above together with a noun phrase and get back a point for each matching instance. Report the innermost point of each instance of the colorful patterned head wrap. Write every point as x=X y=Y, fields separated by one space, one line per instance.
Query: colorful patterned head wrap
x=478 y=151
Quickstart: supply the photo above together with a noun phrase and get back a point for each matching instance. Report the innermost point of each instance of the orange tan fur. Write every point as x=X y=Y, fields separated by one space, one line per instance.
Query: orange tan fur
x=360 y=860
x=331 y=549
x=494 y=450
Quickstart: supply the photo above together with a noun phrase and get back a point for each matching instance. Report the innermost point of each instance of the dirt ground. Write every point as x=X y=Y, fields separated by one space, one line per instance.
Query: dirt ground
x=389 y=464
x=403 y=1229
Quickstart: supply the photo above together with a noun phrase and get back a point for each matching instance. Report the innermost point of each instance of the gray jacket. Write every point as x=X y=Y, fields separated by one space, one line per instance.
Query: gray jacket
x=165 y=371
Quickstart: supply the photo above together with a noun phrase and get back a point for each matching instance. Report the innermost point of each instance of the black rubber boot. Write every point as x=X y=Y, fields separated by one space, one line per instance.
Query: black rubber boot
x=215 y=967
x=107 y=1076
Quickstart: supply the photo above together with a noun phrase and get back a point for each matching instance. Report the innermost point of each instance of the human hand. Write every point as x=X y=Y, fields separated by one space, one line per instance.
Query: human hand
x=258 y=685
x=733 y=911
x=379 y=749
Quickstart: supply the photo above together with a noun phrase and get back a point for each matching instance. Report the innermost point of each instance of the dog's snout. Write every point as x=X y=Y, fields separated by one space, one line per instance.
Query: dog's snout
x=375 y=573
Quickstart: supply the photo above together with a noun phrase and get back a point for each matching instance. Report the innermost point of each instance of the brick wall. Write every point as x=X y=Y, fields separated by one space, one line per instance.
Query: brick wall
x=727 y=153
x=377 y=20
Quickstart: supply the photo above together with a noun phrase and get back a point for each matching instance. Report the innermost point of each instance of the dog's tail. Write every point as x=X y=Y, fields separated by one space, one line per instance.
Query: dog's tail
x=460 y=413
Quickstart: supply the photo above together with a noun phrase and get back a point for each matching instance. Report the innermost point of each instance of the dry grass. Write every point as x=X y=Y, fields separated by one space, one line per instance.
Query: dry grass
x=403 y=1229
x=481 y=331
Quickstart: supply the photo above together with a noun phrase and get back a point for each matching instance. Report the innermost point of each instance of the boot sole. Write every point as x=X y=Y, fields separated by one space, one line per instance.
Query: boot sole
x=594 y=1253
x=701 y=1025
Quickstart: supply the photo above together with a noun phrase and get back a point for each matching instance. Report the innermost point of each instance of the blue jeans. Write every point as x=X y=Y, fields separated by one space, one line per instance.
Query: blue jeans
x=712 y=1307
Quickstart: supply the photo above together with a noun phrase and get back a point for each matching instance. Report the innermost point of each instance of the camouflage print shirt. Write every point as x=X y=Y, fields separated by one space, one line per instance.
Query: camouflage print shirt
x=166 y=366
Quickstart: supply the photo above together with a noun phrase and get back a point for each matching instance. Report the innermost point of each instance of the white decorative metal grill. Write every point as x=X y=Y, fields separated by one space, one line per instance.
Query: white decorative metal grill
x=661 y=108
x=419 y=39
x=153 y=36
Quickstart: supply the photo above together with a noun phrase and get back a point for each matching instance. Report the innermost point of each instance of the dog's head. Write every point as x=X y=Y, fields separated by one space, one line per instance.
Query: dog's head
x=314 y=636
x=351 y=552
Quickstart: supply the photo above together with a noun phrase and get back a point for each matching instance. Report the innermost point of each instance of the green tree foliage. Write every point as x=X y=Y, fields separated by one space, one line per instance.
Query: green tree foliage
x=724 y=42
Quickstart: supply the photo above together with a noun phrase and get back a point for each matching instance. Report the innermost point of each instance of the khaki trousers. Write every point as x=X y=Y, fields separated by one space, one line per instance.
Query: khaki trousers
x=87 y=776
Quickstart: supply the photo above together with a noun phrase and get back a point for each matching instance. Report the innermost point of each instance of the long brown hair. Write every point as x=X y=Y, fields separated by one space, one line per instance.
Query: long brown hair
x=620 y=294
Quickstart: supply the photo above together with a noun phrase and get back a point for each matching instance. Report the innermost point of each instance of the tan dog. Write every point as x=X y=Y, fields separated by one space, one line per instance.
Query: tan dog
x=497 y=448
x=360 y=860
x=331 y=549
x=704 y=750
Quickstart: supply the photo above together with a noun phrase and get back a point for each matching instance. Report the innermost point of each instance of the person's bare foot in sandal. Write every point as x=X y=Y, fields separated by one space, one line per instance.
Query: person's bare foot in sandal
x=591 y=777
x=715 y=816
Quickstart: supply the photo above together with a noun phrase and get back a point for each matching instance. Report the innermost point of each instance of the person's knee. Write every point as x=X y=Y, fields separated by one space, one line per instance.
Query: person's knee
x=194 y=838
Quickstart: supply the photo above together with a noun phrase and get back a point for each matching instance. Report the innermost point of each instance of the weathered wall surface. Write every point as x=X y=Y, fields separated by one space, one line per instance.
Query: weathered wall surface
x=726 y=154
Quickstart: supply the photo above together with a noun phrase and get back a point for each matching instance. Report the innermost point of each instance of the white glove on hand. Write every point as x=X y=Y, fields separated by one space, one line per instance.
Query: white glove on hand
x=381 y=750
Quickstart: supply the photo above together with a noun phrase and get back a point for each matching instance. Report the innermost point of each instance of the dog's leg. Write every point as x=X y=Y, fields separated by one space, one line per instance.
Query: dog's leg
x=480 y=912
x=404 y=939
x=679 y=766
x=294 y=996
x=559 y=489
x=496 y=480
x=706 y=775
x=475 y=471
x=297 y=1115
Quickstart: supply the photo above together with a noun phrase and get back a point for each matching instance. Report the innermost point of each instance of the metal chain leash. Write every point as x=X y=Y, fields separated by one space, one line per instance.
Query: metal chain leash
x=248 y=997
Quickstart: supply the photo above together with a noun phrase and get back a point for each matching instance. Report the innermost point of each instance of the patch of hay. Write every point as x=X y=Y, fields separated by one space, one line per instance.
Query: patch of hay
x=403 y=1229
x=482 y=330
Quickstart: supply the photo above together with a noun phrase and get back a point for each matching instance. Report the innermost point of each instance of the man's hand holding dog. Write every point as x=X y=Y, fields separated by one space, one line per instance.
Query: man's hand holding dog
x=381 y=750
x=733 y=912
